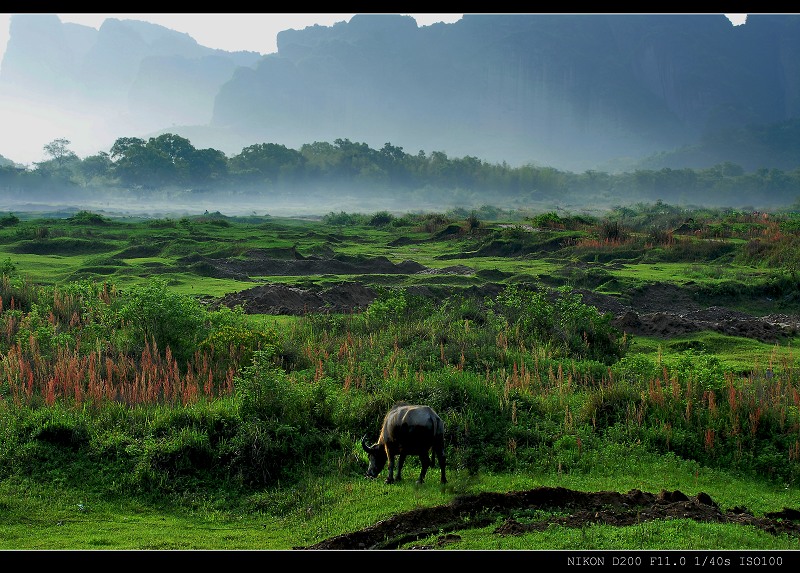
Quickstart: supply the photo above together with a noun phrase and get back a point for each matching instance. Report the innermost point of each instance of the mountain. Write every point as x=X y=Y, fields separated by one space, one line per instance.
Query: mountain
x=572 y=91
x=126 y=79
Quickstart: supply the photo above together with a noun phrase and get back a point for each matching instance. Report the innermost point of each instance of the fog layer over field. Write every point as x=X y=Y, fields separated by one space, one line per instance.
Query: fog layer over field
x=296 y=203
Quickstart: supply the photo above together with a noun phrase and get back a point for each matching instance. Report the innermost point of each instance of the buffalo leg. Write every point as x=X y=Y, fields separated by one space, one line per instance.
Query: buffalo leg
x=440 y=455
x=423 y=459
x=390 y=477
x=400 y=463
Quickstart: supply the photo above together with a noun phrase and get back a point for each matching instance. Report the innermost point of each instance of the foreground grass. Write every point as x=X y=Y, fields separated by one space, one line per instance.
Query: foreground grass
x=683 y=534
x=38 y=516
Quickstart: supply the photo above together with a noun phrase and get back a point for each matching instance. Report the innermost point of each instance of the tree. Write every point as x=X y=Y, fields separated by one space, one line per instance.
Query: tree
x=177 y=151
x=175 y=147
x=206 y=165
x=267 y=161
x=61 y=164
x=320 y=156
x=58 y=151
x=168 y=159
x=141 y=165
x=123 y=145
x=96 y=166
x=162 y=160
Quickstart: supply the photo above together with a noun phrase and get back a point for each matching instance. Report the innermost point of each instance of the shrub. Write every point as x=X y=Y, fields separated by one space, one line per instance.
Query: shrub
x=154 y=313
x=549 y=220
x=9 y=220
x=88 y=218
x=703 y=370
x=390 y=305
x=613 y=231
x=380 y=219
x=565 y=322
x=343 y=219
x=8 y=267
x=473 y=222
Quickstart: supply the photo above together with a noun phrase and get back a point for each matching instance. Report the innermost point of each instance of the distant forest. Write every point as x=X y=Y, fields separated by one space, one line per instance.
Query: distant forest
x=170 y=162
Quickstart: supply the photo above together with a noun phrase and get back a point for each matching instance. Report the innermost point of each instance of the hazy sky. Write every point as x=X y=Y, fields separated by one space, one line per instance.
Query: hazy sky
x=231 y=32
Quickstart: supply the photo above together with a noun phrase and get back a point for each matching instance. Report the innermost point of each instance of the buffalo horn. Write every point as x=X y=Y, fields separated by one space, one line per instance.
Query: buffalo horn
x=365 y=444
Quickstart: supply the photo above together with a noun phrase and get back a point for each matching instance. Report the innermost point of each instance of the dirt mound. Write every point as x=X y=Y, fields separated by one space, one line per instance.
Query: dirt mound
x=259 y=263
x=285 y=299
x=643 y=320
x=607 y=507
x=664 y=297
x=661 y=309
x=668 y=325
x=667 y=311
x=452 y=270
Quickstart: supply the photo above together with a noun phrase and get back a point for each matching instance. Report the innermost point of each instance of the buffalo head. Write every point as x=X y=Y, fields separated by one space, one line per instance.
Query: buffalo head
x=377 y=457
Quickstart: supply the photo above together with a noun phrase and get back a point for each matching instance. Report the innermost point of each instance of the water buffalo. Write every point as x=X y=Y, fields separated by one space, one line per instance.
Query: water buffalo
x=408 y=430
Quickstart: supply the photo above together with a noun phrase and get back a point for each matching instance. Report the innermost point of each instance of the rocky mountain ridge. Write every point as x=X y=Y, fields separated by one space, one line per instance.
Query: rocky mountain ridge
x=572 y=91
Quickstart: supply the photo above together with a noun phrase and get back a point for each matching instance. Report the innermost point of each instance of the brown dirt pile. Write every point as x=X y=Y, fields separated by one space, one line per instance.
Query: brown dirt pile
x=603 y=507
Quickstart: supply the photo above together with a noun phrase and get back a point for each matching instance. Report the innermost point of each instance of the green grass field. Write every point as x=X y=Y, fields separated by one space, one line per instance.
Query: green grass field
x=245 y=434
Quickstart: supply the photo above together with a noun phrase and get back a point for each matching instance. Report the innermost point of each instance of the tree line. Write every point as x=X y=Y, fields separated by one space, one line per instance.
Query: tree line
x=170 y=161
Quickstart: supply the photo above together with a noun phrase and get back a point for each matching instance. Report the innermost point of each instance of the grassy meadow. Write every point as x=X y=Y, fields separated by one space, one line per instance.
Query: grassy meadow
x=136 y=413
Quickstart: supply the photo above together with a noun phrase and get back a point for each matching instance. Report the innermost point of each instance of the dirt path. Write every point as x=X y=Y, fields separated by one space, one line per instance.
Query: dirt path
x=603 y=507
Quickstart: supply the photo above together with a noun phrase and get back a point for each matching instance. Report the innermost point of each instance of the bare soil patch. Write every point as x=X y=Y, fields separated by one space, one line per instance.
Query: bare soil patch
x=658 y=310
x=289 y=300
x=262 y=262
x=666 y=311
x=582 y=508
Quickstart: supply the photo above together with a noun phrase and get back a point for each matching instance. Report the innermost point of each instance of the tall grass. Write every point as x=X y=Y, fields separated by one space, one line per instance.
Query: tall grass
x=532 y=380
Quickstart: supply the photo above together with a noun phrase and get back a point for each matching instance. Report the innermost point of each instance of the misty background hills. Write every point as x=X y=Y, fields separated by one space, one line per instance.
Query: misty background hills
x=575 y=92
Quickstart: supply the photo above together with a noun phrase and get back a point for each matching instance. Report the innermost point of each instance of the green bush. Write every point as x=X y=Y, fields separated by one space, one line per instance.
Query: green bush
x=380 y=219
x=703 y=370
x=232 y=342
x=9 y=220
x=154 y=313
x=342 y=219
x=390 y=305
x=560 y=320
